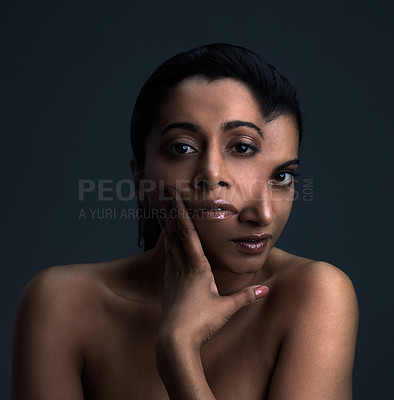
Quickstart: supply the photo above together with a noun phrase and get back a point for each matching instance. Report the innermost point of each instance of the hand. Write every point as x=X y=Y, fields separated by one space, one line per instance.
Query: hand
x=193 y=310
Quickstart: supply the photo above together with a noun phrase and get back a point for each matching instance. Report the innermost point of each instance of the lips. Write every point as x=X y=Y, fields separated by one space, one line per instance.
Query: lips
x=213 y=209
x=252 y=244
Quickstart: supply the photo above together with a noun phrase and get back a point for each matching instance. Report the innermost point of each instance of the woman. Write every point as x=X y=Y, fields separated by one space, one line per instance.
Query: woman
x=211 y=309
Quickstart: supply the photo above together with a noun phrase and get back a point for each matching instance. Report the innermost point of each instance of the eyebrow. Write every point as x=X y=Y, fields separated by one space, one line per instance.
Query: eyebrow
x=226 y=126
x=188 y=126
x=295 y=161
x=237 y=123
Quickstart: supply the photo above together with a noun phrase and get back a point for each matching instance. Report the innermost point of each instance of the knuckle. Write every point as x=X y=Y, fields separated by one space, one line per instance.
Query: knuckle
x=185 y=232
x=193 y=269
x=197 y=266
x=249 y=296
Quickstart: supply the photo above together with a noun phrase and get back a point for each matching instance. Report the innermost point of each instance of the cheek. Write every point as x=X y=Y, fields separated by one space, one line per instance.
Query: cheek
x=282 y=204
x=282 y=198
x=249 y=184
x=158 y=176
x=168 y=174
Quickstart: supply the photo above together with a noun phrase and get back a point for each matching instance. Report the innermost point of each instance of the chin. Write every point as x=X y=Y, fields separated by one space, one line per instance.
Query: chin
x=236 y=264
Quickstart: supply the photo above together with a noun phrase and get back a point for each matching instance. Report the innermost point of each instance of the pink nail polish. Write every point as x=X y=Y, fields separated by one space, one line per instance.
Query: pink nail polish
x=260 y=292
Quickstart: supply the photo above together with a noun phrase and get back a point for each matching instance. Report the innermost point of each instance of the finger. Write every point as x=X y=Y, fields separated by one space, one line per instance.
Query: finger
x=164 y=204
x=169 y=270
x=188 y=236
x=248 y=296
x=172 y=238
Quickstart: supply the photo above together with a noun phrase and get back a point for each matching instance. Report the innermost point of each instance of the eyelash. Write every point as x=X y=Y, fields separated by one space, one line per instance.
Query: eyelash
x=169 y=149
x=255 y=149
x=289 y=171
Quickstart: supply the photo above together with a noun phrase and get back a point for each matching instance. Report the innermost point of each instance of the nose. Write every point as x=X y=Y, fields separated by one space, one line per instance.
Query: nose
x=211 y=172
x=258 y=210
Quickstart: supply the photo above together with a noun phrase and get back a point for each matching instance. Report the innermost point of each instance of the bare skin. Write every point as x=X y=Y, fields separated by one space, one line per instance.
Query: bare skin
x=182 y=321
x=94 y=328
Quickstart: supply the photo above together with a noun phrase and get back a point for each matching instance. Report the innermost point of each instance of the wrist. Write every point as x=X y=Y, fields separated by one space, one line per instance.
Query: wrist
x=173 y=335
x=178 y=362
x=173 y=343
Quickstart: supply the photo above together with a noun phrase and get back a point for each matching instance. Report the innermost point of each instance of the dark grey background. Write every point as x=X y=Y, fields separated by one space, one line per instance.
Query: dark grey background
x=70 y=74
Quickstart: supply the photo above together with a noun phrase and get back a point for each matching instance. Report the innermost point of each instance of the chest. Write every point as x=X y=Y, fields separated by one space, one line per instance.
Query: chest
x=120 y=360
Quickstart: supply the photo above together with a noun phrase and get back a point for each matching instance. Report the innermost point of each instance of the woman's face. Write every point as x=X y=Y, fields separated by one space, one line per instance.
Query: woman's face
x=233 y=168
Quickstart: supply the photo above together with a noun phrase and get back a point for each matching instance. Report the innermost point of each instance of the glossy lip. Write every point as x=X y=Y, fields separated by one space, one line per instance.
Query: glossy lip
x=212 y=209
x=252 y=244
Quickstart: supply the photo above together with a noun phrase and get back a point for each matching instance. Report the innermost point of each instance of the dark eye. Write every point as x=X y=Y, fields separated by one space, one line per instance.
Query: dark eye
x=182 y=148
x=177 y=149
x=284 y=178
x=245 y=148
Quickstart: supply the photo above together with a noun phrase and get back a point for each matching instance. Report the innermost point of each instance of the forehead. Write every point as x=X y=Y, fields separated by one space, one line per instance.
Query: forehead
x=210 y=104
x=198 y=95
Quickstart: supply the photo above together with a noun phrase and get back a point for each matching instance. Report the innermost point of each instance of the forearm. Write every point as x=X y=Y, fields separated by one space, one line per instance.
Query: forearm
x=181 y=371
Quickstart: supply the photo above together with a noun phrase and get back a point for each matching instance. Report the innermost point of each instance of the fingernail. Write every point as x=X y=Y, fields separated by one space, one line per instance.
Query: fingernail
x=260 y=292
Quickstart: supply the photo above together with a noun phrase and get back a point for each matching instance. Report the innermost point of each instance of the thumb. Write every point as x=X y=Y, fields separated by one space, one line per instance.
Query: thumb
x=248 y=296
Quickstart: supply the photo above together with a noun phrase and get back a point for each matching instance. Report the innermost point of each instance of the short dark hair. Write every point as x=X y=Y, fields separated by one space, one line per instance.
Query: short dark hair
x=273 y=92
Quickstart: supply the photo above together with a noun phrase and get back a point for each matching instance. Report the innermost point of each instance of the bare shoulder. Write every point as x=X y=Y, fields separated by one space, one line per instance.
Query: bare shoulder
x=305 y=280
x=57 y=280
x=314 y=294
x=59 y=312
x=60 y=285
x=73 y=295
x=65 y=295
x=318 y=305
